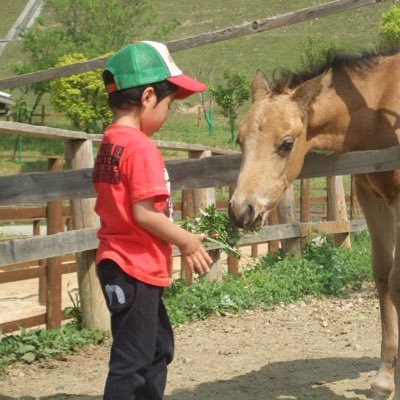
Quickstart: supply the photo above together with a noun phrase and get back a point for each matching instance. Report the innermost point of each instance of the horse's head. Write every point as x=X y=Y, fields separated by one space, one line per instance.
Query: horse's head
x=273 y=141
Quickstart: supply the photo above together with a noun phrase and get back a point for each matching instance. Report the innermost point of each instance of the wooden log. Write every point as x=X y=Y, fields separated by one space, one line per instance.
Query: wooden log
x=216 y=270
x=28 y=213
x=17 y=251
x=13 y=326
x=273 y=219
x=304 y=203
x=305 y=200
x=233 y=264
x=355 y=208
x=337 y=210
x=287 y=215
x=232 y=261
x=202 y=198
x=79 y=154
x=16 y=275
x=53 y=275
x=39 y=187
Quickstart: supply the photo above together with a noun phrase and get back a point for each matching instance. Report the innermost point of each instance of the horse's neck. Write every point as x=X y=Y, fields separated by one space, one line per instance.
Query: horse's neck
x=359 y=111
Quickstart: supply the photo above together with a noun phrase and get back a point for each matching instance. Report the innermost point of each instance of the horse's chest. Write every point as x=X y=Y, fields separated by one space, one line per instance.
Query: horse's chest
x=383 y=185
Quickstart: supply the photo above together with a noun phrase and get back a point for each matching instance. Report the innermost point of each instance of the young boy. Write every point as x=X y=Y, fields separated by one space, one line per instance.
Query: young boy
x=136 y=233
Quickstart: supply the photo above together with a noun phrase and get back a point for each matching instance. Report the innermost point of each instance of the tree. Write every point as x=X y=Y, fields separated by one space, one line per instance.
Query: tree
x=89 y=27
x=389 y=29
x=230 y=95
x=81 y=97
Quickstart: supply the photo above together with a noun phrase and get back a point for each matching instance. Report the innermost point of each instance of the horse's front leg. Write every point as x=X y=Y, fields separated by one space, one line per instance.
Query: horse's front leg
x=380 y=220
x=394 y=286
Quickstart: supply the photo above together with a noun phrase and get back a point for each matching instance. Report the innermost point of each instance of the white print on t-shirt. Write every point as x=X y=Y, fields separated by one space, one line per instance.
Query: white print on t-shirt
x=169 y=209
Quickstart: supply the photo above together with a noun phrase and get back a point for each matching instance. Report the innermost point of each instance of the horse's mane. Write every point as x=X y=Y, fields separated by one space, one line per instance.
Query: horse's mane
x=283 y=78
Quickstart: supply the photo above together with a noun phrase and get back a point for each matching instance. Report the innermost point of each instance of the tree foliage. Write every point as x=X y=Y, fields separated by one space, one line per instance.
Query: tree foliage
x=389 y=29
x=88 y=27
x=230 y=95
x=81 y=97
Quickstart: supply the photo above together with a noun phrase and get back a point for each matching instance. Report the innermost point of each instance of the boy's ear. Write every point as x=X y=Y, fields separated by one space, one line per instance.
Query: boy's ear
x=147 y=95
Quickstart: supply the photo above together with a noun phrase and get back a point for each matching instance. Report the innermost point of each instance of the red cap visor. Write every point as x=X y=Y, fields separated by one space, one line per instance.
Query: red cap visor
x=186 y=86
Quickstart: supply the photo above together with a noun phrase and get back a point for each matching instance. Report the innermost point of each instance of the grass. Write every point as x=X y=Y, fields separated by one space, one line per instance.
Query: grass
x=38 y=344
x=322 y=270
x=351 y=29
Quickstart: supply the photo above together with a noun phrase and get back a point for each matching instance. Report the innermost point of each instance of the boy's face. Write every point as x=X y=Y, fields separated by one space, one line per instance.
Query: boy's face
x=153 y=114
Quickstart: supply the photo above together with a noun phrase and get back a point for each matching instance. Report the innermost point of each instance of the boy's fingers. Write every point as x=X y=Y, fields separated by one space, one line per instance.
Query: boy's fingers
x=189 y=263
x=206 y=256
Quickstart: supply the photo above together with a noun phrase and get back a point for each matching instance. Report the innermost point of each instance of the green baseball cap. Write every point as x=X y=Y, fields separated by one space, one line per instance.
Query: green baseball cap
x=146 y=62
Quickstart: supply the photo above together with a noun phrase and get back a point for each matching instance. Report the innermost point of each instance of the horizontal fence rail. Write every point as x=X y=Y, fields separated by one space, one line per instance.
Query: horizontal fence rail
x=188 y=174
x=34 y=248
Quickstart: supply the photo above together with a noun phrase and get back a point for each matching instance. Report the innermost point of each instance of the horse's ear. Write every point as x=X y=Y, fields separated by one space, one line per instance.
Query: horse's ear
x=305 y=94
x=259 y=86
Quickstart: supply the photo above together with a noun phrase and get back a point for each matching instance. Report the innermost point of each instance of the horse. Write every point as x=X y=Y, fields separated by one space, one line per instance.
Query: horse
x=349 y=103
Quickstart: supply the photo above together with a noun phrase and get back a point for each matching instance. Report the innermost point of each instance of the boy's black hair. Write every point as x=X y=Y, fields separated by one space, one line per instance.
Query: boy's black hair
x=129 y=98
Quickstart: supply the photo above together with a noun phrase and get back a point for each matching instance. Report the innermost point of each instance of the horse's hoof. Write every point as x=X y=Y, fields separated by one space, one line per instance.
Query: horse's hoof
x=378 y=393
x=378 y=396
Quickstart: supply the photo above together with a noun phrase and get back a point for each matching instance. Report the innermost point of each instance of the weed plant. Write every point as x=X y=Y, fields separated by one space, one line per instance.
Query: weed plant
x=38 y=344
x=321 y=270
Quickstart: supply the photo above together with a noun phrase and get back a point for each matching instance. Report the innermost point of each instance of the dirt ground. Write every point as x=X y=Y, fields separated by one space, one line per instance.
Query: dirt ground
x=326 y=350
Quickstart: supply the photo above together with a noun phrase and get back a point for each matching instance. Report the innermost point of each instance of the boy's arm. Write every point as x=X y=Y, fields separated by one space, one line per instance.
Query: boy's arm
x=159 y=225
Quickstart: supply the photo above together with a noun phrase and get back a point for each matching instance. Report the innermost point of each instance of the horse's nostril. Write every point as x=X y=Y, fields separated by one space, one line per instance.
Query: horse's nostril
x=242 y=216
x=250 y=212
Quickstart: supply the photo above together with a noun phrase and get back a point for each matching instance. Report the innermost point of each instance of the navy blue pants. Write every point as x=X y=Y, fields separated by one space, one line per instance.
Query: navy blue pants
x=143 y=342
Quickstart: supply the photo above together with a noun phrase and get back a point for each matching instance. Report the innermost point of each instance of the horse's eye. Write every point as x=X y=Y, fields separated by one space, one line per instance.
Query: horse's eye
x=286 y=146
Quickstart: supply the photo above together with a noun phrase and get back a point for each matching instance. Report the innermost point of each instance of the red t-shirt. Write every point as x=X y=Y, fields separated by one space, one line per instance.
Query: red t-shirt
x=129 y=168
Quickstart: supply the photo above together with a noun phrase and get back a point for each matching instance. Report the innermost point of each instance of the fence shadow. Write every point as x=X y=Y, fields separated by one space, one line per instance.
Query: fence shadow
x=58 y=396
x=299 y=379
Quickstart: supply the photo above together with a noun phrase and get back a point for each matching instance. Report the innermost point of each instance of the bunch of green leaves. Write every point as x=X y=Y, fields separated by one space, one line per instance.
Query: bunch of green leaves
x=38 y=344
x=217 y=227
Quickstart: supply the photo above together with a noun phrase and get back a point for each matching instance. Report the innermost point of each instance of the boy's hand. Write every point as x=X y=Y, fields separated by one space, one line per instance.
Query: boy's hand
x=194 y=254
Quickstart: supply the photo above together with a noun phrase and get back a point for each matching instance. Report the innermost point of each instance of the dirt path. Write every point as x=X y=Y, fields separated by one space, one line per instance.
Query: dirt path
x=325 y=350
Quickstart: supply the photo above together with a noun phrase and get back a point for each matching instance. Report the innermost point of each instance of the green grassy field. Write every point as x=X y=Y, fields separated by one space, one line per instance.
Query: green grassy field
x=351 y=29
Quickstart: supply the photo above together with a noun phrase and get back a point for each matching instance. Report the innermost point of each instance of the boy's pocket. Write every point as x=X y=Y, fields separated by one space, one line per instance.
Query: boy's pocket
x=118 y=287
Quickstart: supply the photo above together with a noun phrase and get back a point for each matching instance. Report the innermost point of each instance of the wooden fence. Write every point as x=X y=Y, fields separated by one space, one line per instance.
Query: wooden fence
x=194 y=175
x=186 y=174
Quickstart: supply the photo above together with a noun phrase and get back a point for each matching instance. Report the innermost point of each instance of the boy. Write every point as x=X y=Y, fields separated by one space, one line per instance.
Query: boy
x=134 y=255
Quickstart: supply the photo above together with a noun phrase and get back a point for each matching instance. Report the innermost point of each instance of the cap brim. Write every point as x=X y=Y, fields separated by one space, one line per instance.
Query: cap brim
x=186 y=86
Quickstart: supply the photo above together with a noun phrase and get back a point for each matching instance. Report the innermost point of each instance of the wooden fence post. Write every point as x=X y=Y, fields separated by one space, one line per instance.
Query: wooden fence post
x=305 y=200
x=53 y=273
x=79 y=154
x=355 y=209
x=192 y=202
x=337 y=210
x=273 y=219
x=287 y=215
x=232 y=261
x=304 y=203
x=42 y=279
